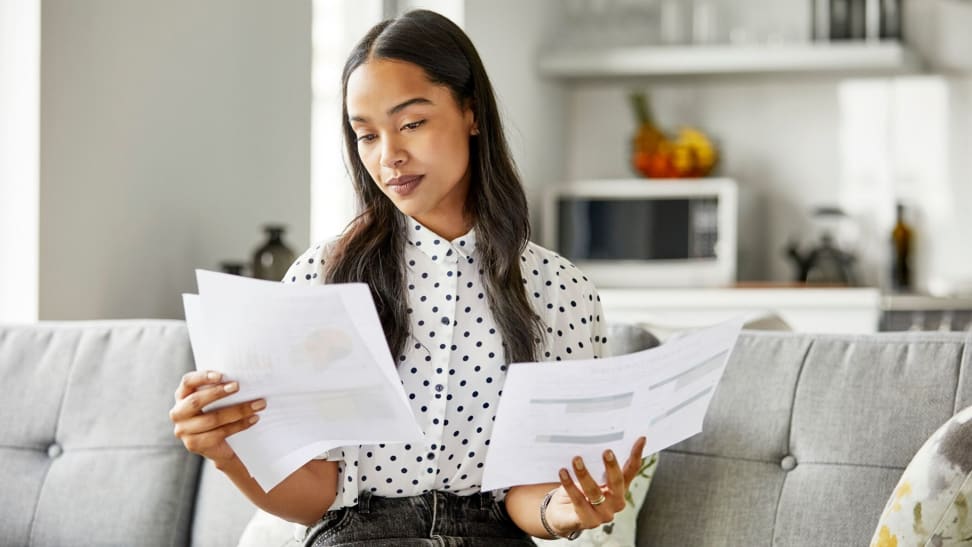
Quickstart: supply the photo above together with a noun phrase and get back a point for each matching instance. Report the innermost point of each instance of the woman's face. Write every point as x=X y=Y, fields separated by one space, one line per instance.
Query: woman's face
x=413 y=138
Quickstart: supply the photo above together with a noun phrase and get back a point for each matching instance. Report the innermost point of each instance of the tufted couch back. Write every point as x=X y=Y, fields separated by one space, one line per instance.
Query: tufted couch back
x=87 y=455
x=805 y=439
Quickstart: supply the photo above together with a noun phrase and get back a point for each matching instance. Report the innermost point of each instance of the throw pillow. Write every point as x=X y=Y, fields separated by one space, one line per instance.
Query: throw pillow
x=930 y=505
x=621 y=532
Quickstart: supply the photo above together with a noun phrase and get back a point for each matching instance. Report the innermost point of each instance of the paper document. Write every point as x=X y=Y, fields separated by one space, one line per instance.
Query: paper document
x=551 y=412
x=317 y=354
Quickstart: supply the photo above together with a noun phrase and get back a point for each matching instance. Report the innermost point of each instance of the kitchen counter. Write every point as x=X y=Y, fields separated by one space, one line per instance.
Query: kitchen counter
x=924 y=312
x=894 y=302
x=807 y=309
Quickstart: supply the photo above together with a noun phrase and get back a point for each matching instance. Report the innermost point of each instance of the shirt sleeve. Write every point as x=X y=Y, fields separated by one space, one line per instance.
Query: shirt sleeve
x=308 y=268
x=572 y=314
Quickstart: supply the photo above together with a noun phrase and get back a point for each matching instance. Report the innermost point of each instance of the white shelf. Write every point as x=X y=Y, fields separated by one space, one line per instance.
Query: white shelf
x=850 y=57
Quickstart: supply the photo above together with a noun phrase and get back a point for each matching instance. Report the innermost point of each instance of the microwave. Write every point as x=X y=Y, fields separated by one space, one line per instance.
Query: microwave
x=645 y=232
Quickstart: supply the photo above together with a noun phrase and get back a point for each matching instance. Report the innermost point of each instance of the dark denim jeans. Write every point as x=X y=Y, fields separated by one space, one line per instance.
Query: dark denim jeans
x=434 y=518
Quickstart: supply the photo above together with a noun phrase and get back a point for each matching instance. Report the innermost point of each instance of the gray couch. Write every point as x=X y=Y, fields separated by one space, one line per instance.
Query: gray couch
x=805 y=439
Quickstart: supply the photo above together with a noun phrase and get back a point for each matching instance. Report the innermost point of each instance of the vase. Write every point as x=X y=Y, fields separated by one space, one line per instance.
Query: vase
x=232 y=267
x=272 y=259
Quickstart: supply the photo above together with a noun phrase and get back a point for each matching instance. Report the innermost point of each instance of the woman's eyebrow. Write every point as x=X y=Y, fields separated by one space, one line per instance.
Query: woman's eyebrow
x=401 y=106
x=397 y=108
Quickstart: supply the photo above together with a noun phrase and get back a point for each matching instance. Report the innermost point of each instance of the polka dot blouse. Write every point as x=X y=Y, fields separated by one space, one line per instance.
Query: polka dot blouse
x=453 y=367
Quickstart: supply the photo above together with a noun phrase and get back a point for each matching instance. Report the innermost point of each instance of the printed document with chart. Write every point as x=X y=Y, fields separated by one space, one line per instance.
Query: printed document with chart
x=317 y=354
x=553 y=411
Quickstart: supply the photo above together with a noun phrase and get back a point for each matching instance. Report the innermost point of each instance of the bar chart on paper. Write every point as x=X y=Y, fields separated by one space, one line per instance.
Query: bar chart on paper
x=551 y=412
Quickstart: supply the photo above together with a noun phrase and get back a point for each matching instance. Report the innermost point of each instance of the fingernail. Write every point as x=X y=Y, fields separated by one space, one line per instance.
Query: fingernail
x=579 y=463
x=258 y=405
x=563 y=475
x=254 y=419
x=231 y=387
x=609 y=455
x=214 y=376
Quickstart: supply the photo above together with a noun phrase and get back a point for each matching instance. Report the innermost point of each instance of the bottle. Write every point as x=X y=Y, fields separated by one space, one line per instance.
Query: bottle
x=857 y=20
x=840 y=19
x=901 y=237
x=673 y=22
x=273 y=258
x=890 y=25
x=820 y=20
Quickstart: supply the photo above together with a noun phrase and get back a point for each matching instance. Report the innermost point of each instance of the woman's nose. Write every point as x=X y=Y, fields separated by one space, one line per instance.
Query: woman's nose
x=392 y=153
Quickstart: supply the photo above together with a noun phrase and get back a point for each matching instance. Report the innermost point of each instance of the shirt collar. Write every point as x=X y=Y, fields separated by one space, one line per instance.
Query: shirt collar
x=437 y=247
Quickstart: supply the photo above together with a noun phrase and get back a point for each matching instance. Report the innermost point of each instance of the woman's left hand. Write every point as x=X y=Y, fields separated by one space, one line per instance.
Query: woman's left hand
x=587 y=504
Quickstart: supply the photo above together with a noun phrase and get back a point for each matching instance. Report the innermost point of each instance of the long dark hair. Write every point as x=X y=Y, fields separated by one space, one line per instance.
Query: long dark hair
x=372 y=250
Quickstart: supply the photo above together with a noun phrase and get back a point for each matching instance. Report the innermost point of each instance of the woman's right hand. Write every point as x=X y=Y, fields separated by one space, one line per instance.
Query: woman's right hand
x=205 y=433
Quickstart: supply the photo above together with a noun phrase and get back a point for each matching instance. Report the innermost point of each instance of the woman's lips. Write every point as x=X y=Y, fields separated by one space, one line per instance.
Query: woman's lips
x=404 y=186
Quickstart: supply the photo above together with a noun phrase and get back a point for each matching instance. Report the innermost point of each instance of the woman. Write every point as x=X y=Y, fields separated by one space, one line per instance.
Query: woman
x=442 y=240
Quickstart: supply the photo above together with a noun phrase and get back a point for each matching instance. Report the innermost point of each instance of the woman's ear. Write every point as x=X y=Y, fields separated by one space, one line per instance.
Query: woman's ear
x=471 y=116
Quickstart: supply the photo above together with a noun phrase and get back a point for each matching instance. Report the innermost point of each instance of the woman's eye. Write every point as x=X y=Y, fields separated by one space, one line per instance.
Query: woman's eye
x=367 y=138
x=413 y=125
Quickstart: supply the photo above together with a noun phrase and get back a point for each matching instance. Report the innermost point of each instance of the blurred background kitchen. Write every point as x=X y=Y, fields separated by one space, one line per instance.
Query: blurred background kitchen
x=778 y=140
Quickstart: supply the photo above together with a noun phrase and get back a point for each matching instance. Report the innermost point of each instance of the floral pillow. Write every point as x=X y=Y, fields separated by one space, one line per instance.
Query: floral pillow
x=930 y=505
x=621 y=532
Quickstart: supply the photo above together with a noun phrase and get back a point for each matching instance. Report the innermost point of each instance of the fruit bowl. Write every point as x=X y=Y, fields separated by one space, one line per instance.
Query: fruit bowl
x=654 y=155
x=690 y=156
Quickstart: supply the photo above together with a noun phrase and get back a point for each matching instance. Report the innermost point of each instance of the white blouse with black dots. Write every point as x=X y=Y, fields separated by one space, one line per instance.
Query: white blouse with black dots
x=453 y=367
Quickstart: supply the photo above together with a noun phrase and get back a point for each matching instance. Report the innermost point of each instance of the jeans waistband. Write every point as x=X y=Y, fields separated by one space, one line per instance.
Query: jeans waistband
x=481 y=500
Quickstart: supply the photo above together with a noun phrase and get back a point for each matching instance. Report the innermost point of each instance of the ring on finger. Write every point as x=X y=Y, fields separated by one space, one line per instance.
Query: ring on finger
x=599 y=500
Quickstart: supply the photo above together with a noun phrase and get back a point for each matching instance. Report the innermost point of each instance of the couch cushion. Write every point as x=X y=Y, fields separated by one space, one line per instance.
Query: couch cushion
x=805 y=439
x=222 y=511
x=623 y=338
x=85 y=440
x=873 y=401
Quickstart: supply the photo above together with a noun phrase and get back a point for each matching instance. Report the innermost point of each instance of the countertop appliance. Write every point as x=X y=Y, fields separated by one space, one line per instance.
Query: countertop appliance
x=646 y=233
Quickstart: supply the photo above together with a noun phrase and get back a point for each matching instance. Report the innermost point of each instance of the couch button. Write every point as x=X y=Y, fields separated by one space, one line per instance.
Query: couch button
x=54 y=450
x=788 y=463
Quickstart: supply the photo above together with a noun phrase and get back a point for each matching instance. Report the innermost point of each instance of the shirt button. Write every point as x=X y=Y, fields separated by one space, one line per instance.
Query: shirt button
x=439 y=387
x=446 y=321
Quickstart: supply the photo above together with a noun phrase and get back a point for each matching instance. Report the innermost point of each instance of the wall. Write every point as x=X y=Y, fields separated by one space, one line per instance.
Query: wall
x=170 y=131
x=783 y=142
x=20 y=114
x=337 y=27
x=782 y=160
x=784 y=139
x=508 y=34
